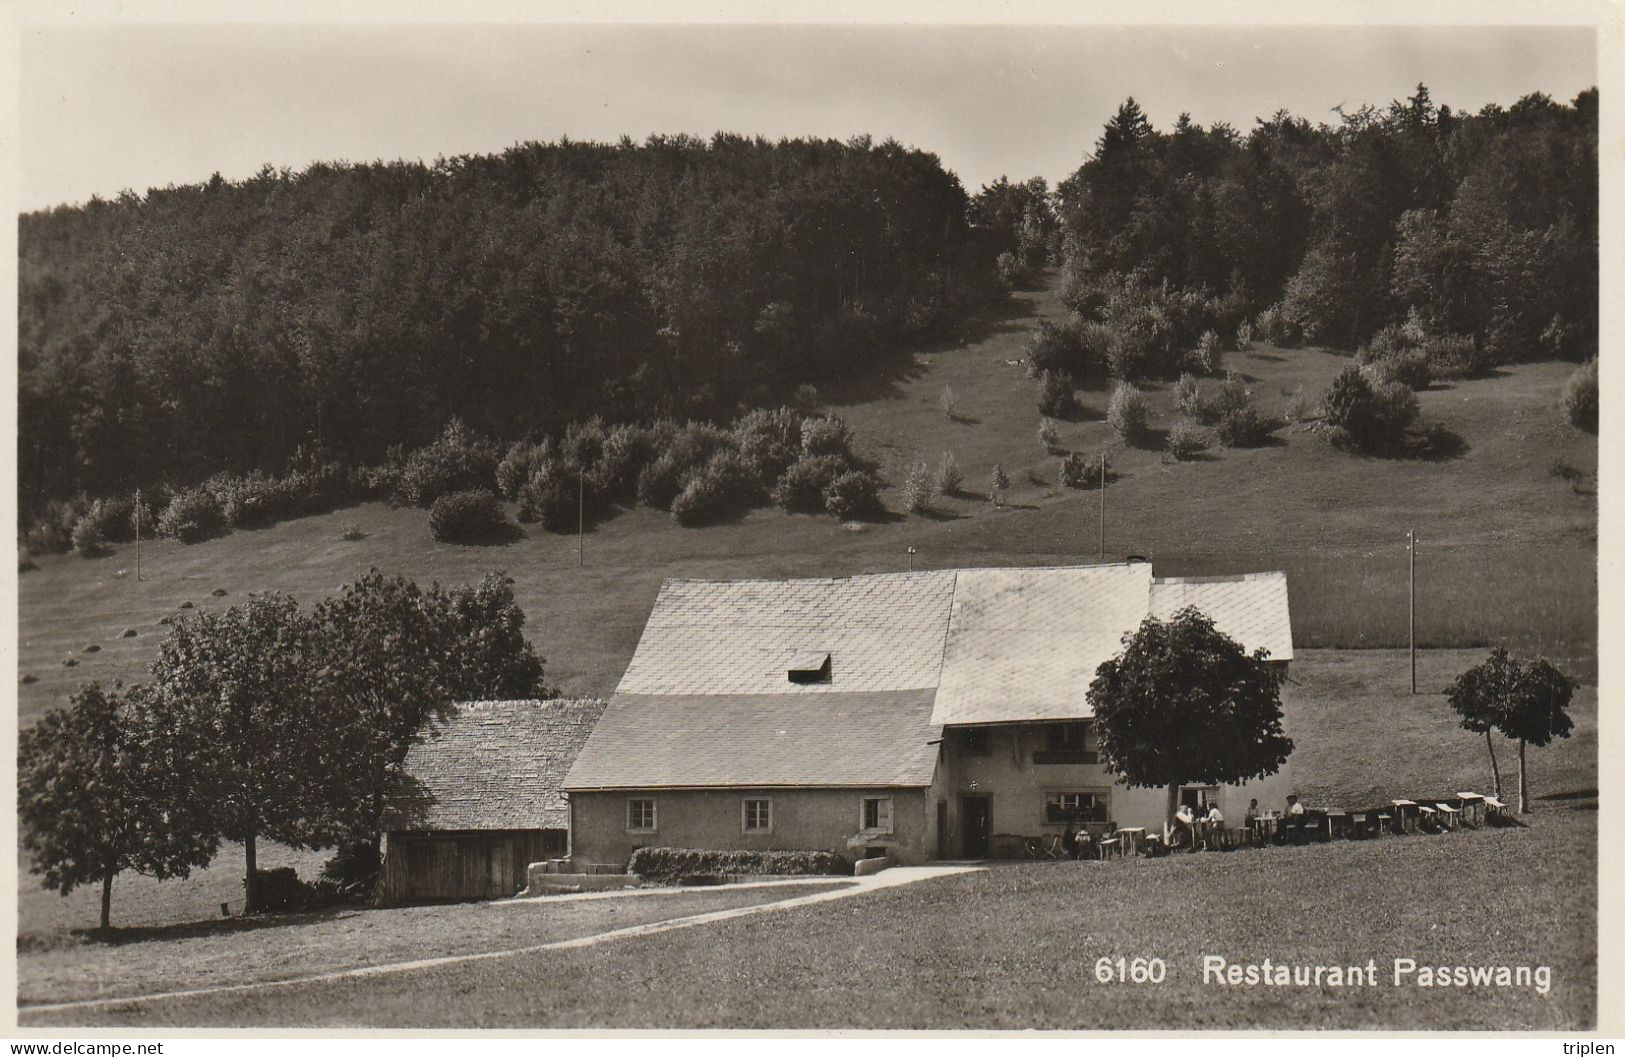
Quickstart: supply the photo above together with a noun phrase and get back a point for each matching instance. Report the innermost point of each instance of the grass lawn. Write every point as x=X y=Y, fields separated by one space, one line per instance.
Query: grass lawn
x=216 y=952
x=1508 y=551
x=1015 y=947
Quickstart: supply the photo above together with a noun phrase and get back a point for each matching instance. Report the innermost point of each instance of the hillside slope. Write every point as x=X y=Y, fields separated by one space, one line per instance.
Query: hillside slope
x=1508 y=549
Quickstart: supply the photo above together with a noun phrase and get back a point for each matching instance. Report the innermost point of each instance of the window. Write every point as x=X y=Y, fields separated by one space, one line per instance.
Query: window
x=758 y=815
x=1066 y=743
x=1198 y=797
x=877 y=813
x=978 y=742
x=1061 y=808
x=640 y=815
x=811 y=666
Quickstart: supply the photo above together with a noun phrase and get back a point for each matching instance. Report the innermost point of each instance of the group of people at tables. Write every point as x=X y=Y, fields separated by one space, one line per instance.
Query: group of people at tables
x=1196 y=823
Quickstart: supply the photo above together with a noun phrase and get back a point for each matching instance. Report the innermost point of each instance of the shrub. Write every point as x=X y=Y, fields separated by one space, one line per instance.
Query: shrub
x=627 y=450
x=918 y=489
x=671 y=864
x=1186 y=439
x=1130 y=415
x=1568 y=472
x=946 y=401
x=1367 y=415
x=1457 y=356
x=1396 y=354
x=459 y=460
x=352 y=533
x=770 y=441
x=1244 y=335
x=1055 y=394
x=723 y=487
x=88 y=539
x=998 y=484
x=1243 y=428
x=551 y=496
x=826 y=435
x=583 y=445
x=1048 y=435
x=806 y=397
x=1188 y=396
x=800 y=489
x=353 y=868
x=466 y=517
x=1009 y=268
x=52 y=532
x=193 y=514
x=522 y=460
x=949 y=475
x=661 y=480
x=853 y=495
x=1580 y=397
x=1205 y=358
x=114 y=518
x=1082 y=469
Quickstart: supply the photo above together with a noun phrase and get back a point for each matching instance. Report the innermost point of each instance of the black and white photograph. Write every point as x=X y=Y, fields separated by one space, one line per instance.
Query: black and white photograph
x=774 y=522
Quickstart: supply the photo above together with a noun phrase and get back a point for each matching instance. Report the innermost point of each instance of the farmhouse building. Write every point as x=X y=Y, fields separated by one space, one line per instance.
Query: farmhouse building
x=939 y=714
x=480 y=801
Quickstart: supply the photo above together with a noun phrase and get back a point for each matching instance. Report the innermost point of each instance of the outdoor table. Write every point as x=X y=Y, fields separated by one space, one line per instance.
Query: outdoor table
x=1265 y=827
x=1133 y=838
x=1472 y=809
x=1384 y=821
x=1405 y=815
x=1110 y=847
x=1424 y=820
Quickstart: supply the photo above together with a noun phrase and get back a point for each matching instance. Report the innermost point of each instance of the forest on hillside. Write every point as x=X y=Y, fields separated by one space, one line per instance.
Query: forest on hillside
x=347 y=309
x=1475 y=229
x=346 y=313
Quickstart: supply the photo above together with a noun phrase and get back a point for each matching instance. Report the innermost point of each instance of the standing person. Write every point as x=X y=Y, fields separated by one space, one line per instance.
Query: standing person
x=1213 y=824
x=1069 y=840
x=1184 y=825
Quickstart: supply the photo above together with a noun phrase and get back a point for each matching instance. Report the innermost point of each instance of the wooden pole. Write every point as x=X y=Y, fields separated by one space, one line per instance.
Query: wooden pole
x=1102 y=506
x=1410 y=545
x=138 y=534
x=581 y=517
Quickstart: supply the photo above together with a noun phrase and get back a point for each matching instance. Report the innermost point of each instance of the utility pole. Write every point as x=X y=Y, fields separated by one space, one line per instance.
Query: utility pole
x=138 y=535
x=911 y=559
x=1102 y=506
x=1410 y=546
x=581 y=517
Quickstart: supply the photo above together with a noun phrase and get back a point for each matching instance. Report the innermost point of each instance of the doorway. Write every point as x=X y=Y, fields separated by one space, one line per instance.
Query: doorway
x=976 y=822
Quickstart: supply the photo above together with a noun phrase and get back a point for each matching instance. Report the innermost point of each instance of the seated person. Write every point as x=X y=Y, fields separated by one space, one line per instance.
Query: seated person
x=1214 y=815
x=1252 y=811
x=1293 y=808
x=1069 y=840
x=1184 y=821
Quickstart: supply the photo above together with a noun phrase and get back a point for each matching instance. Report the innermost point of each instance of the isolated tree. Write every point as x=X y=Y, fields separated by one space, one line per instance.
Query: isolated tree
x=94 y=798
x=1536 y=713
x=391 y=657
x=236 y=697
x=1479 y=696
x=1185 y=704
x=1525 y=702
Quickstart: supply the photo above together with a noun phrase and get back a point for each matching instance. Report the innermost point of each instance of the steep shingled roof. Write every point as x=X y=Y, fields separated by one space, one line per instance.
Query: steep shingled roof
x=882 y=632
x=1023 y=644
x=493 y=765
x=1251 y=607
x=874 y=739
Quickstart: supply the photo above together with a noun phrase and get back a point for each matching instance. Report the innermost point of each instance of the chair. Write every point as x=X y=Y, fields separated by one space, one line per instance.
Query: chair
x=1111 y=847
x=1055 y=850
x=1032 y=848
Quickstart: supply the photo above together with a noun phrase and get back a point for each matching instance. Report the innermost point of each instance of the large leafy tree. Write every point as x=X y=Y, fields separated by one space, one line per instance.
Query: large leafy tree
x=1184 y=703
x=391 y=656
x=96 y=797
x=237 y=699
x=1526 y=702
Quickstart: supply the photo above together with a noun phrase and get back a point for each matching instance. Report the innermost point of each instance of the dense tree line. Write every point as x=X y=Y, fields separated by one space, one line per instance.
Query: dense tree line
x=351 y=308
x=1478 y=230
x=263 y=720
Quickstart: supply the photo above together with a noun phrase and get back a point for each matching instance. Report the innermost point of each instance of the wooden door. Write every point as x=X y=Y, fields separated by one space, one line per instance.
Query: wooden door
x=976 y=823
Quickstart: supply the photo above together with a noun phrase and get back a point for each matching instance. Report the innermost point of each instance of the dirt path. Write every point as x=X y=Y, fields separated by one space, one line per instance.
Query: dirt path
x=886 y=879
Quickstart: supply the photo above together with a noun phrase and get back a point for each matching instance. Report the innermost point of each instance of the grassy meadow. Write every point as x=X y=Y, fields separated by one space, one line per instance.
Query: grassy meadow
x=1508 y=552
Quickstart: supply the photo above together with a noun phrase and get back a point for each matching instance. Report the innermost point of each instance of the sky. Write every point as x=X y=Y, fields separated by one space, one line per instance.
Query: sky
x=109 y=107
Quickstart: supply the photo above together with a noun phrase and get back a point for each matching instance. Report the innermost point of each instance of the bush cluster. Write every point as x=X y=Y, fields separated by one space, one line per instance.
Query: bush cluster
x=192 y=514
x=1187 y=439
x=1580 y=397
x=1371 y=415
x=458 y=460
x=1056 y=397
x=919 y=489
x=472 y=516
x=1081 y=469
x=1129 y=413
x=671 y=864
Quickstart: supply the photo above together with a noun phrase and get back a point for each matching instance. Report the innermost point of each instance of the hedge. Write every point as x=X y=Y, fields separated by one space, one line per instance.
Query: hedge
x=670 y=864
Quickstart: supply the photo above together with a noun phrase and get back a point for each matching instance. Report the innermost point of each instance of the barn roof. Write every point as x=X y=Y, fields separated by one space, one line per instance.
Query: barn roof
x=846 y=681
x=871 y=738
x=1251 y=607
x=493 y=765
